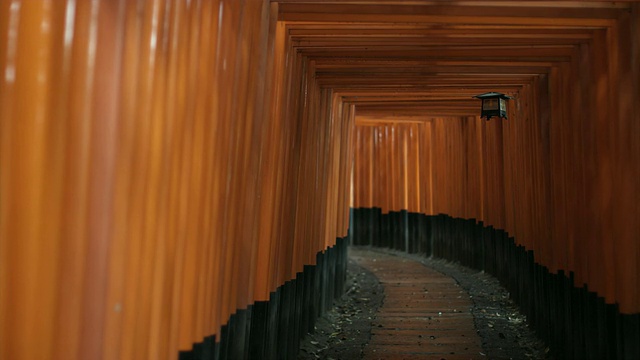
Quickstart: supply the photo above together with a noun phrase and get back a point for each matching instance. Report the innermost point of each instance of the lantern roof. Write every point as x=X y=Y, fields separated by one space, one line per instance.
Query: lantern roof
x=490 y=95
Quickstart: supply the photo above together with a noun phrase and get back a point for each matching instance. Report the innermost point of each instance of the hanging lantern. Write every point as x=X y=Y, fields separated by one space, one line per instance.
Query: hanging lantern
x=493 y=104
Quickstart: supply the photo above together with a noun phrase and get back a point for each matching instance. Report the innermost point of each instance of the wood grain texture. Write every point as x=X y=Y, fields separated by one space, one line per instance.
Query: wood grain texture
x=164 y=163
x=546 y=175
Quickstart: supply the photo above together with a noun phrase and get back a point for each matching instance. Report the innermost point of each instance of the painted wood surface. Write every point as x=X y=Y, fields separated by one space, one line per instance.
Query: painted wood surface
x=162 y=167
x=164 y=163
x=557 y=175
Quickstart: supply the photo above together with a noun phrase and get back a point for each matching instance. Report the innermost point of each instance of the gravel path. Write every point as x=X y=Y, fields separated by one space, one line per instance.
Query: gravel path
x=425 y=314
x=345 y=330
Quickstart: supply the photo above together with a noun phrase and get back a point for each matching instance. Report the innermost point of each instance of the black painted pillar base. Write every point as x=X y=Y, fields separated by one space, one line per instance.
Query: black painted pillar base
x=273 y=329
x=572 y=320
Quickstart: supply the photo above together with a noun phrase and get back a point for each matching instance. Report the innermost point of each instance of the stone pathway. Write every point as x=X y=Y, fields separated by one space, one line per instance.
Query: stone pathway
x=425 y=315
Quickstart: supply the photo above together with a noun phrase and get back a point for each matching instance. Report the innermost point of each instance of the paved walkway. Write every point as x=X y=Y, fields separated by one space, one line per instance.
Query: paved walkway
x=425 y=315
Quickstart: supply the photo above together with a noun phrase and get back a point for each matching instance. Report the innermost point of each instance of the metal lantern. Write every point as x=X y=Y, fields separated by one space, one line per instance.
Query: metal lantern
x=493 y=104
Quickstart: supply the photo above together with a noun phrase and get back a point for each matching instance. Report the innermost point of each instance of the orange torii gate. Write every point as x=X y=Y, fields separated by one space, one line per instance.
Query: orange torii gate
x=166 y=164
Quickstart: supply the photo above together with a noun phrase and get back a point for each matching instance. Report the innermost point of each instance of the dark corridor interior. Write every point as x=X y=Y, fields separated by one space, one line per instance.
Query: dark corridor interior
x=182 y=178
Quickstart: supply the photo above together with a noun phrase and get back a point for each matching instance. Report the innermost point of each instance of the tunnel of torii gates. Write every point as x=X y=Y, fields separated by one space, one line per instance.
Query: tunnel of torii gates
x=179 y=179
